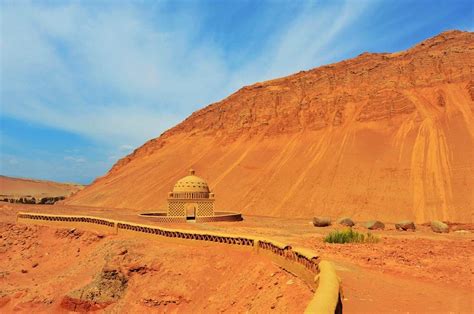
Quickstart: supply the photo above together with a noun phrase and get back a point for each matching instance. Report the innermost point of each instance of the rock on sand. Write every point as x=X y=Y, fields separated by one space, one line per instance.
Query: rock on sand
x=439 y=227
x=321 y=221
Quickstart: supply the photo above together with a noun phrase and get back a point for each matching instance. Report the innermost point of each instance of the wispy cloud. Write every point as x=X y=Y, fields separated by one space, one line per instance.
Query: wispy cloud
x=114 y=75
x=75 y=159
x=305 y=43
x=126 y=147
x=111 y=75
x=13 y=161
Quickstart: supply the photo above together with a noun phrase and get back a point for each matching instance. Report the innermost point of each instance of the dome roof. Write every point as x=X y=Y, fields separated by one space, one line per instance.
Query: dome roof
x=191 y=183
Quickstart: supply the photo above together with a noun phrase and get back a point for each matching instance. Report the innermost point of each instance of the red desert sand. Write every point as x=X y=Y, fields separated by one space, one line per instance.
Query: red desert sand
x=421 y=271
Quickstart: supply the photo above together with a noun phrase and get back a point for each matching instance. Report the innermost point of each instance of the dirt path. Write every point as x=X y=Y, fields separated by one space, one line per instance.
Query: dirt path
x=368 y=291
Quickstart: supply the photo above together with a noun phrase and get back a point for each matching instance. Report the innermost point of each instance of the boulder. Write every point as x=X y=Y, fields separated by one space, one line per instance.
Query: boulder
x=346 y=222
x=375 y=225
x=321 y=221
x=405 y=225
x=439 y=227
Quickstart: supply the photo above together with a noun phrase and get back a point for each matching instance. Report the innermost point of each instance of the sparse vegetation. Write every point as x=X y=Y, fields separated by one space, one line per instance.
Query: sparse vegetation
x=350 y=236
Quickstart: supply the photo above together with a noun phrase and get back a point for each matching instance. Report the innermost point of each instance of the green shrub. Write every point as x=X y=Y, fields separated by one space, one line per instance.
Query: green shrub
x=350 y=236
x=370 y=238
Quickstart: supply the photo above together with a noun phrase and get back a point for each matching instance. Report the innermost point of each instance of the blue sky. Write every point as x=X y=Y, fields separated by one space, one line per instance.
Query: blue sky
x=83 y=83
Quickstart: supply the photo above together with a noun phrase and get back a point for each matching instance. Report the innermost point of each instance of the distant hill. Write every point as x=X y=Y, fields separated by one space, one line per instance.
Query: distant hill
x=381 y=136
x=35 y=191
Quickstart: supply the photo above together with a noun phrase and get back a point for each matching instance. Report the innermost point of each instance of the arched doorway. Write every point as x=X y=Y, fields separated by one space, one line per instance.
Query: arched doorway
x=191 y=209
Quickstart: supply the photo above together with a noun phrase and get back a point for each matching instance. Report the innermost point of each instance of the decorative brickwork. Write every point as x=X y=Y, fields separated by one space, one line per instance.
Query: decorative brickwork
x=176 y=208
x=205 y=209
x=191 y=198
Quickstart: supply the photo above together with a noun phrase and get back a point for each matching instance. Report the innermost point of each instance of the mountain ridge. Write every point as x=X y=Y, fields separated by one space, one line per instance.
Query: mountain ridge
x=417 y=102
x=15 y=188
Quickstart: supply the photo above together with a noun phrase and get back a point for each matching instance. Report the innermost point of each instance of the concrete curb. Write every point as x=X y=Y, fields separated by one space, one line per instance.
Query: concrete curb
x=327 y=298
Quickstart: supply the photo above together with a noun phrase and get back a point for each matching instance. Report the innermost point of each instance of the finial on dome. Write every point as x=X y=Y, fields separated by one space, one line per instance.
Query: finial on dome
x=191 y=172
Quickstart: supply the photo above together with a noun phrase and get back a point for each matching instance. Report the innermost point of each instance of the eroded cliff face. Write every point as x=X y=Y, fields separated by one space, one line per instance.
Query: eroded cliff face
x=386 y=136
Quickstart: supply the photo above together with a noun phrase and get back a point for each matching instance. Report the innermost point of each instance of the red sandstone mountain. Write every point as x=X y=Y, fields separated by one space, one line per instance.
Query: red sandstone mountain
x=16 y=188
x=384 y=135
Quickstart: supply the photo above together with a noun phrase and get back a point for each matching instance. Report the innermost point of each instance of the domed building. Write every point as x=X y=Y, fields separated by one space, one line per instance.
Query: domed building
x=191 y=198
x=191 y=201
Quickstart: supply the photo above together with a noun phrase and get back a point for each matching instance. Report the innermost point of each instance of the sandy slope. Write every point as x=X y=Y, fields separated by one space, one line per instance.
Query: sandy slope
x=37 y=188
x=386 y=136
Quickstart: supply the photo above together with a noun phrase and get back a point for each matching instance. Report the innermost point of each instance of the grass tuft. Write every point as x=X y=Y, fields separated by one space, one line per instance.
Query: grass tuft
x=350 y=236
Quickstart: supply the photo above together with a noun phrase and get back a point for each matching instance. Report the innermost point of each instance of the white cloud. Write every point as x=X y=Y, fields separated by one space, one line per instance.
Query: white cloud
x=111 y=75
x=51 y=168
x=312 y=38
x=116 y=76
x=13 y=161
x=75 y=159
x=126 y=147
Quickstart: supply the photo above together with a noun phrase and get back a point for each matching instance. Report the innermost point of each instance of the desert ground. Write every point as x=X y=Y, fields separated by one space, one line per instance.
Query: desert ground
x=47 y=270
x=421 y=271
